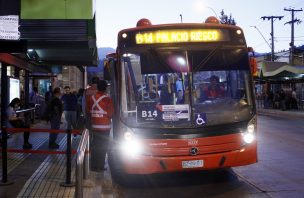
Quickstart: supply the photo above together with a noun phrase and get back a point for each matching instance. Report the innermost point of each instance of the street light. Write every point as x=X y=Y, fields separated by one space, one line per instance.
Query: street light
x=262 y=36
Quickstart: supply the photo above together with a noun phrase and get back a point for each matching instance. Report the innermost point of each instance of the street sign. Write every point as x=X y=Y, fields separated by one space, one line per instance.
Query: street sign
x=9 y=27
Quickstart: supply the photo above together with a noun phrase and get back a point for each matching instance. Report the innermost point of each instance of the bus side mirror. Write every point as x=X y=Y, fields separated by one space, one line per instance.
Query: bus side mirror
x=106 y=70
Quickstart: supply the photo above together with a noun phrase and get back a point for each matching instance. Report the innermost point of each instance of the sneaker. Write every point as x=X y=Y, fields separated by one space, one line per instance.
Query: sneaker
x=27 y=146
x=53 y=146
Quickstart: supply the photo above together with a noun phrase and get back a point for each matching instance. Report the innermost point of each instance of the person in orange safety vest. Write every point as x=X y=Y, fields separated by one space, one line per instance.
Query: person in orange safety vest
x=101 y=110
x=86 y=97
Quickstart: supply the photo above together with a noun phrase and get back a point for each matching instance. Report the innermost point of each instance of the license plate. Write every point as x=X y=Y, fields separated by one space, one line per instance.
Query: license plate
x=193 y=164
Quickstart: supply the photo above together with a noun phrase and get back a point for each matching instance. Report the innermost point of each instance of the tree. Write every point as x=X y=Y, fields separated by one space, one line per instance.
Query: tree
x=227 y=20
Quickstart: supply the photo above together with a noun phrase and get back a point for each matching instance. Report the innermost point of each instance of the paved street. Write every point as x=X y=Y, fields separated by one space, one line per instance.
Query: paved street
x=277 y=174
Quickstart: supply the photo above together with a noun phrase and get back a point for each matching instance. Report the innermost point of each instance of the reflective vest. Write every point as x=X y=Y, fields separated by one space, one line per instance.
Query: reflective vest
x=87 y=97
x=101 y=111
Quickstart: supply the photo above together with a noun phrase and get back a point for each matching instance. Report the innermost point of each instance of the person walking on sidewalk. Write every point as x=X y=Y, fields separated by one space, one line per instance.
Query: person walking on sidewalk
x=101 y=110
x=55 y=111
x=69 y=100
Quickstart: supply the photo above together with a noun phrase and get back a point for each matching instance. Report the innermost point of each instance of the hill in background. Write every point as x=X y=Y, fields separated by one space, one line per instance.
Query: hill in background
x=98 y=71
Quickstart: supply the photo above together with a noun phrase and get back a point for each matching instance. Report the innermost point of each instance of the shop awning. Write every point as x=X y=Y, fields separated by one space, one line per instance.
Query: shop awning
x=278 y=70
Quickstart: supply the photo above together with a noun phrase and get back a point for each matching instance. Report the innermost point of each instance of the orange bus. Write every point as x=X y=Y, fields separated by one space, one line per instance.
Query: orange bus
x=184 y=99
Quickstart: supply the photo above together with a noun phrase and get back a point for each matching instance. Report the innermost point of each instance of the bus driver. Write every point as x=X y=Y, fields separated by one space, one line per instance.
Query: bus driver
x=214 y=90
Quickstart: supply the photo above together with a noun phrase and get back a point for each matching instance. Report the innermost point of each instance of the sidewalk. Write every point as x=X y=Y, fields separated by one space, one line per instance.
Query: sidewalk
x=292 y=113
x=40 y=175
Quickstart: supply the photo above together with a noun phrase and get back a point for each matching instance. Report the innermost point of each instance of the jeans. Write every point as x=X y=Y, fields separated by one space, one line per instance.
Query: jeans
x=70 y=117
x=55 y=124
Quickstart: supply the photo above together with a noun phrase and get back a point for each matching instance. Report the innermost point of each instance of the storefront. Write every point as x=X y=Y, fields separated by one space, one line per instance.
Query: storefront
x=277 y=76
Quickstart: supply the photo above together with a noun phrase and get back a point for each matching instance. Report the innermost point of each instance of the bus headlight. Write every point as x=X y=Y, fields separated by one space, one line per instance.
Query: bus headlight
x=249 y=135
x=248 y=138
x=130 y=144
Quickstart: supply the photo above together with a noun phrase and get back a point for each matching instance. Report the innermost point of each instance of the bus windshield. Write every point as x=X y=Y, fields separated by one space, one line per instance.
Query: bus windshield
x=185 y=87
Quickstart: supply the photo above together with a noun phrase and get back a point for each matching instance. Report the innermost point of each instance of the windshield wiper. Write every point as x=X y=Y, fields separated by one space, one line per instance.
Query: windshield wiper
x=206 y=59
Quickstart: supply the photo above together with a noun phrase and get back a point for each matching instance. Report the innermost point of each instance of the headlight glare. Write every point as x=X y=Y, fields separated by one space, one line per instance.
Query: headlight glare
x=128 y=136
x=248 y=138
x=132 y=147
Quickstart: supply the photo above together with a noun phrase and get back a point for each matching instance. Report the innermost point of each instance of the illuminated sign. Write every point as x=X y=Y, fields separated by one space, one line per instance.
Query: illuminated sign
x=179 y=36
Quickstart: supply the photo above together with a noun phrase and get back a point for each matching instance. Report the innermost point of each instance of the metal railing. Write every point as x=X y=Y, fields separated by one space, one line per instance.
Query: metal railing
x=82 y=162
x=30 y=111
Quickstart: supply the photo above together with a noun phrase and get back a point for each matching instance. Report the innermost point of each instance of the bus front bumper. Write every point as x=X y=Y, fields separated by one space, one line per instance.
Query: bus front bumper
x=153 y=164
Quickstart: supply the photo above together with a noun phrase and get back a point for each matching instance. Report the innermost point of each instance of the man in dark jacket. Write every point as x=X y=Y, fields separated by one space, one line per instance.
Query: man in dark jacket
x=69 y=107
x=55 y=111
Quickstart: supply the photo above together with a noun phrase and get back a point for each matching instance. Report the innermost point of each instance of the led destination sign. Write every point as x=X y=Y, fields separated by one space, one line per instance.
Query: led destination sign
x=179 y=36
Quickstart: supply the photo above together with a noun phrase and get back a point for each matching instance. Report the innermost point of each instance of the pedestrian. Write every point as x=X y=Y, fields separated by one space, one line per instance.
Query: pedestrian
x=294 y=99
x=101 y=109
x=14 y=121
x=47 y=98
x=277 y=100
x=80 y=115
x=91 y=90
x=34 y=97
x=282 y=100
x=48 y=95
x=69 y=101
x=55 y=110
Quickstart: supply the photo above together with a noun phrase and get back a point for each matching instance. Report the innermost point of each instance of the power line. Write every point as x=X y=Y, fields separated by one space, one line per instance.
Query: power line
x=289 y=37
x=261 y=35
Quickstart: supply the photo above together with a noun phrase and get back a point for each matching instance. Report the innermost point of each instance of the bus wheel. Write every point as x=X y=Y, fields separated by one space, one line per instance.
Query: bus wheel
x=117 y=173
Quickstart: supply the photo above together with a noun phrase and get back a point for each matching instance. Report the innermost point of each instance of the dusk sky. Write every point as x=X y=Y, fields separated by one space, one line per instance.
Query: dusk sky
x=113 y=16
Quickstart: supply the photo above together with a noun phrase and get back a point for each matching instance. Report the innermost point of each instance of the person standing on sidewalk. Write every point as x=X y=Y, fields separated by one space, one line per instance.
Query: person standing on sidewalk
x=86 y=97
x=101 y=110
x=282 y=100
x=55 y=111
x=69 y=108
x=48 y=95
x=34 y=97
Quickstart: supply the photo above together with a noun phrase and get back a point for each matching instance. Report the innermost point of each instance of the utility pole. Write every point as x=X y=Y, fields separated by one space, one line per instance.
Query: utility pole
x=272 y=33
x=293 y=20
